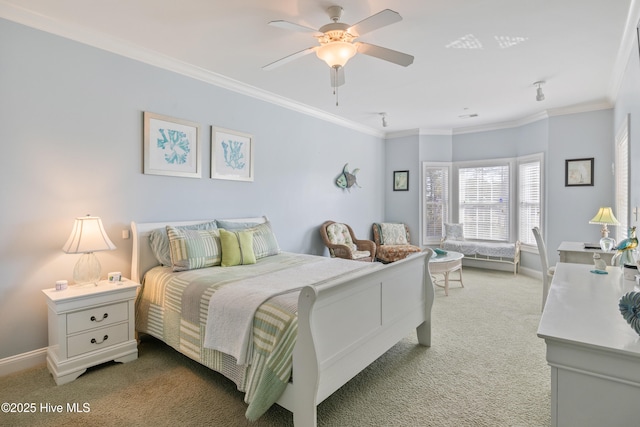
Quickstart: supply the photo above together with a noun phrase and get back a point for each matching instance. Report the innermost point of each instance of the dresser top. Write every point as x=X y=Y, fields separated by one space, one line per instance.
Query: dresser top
x=582 y=308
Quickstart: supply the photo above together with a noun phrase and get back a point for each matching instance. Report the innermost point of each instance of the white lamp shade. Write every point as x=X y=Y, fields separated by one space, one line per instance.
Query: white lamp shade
x=337 y=53
x=88 y=235
x=604 y=216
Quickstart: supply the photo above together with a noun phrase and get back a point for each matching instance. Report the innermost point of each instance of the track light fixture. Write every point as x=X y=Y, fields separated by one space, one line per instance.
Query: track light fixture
x=384 y=120
x=539 y=94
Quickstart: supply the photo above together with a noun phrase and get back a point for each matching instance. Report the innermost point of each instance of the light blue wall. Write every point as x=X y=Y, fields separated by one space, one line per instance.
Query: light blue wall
x=569 y=209
x=72 y=144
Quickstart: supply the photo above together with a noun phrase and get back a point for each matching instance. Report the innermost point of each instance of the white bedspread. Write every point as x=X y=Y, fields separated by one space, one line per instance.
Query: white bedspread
x=232 y=308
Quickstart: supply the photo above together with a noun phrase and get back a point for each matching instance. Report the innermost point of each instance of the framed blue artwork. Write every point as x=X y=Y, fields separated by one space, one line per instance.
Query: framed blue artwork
x=231 y=155
x=171 y=146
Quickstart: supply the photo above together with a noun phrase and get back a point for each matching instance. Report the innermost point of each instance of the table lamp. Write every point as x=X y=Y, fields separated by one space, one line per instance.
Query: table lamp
x=88 y=236
x=605 y=217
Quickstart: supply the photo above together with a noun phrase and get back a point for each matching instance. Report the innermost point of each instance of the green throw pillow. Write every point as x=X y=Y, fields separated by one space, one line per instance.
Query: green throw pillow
x=237 y=248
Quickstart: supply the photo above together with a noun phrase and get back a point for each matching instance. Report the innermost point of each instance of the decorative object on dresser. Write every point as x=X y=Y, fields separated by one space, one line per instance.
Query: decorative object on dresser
x=88 y=236
x=393 y=242
x=89 y=325
x=342 y=242
x=171 y=146
x=231 y=155
x=605 y=217
x=547 y=272
x=578 y=172
x=477 y=250
x=629 y=306
x=626 y=253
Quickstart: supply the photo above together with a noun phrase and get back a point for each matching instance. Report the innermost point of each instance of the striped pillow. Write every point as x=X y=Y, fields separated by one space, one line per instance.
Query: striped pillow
x=264 y=241
x=159 y=241
x=191 y=249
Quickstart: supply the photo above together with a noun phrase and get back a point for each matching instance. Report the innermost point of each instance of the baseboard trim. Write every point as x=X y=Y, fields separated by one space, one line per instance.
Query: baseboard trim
x=19 y=362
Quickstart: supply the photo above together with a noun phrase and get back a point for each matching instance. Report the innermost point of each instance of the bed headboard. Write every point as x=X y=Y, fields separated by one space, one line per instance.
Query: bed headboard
x=142 y=258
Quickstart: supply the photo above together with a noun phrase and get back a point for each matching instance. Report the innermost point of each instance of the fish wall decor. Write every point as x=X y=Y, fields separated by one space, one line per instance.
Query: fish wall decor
x=347 y=179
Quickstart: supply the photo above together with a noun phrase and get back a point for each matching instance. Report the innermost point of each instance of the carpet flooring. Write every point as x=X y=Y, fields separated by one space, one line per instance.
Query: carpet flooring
x=486 y=367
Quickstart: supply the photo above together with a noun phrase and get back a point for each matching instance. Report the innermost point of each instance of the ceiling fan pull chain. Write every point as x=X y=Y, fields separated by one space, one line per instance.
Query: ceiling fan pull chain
x=335 y=88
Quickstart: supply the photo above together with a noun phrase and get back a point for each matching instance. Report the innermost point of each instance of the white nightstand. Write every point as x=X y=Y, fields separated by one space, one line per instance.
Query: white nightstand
x=89 y=325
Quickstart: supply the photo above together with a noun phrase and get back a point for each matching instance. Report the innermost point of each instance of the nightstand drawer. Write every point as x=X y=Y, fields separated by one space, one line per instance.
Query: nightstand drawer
x=96 y=317
x=97 y=339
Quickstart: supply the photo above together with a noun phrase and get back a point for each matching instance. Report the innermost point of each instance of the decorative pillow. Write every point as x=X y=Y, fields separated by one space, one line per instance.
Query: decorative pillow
x=454 y=232
x=393 y=234
x=339 y=235
x=264 y=241
x=159 y=241
x=191 y=249
x=233 y=225
x=237 y=248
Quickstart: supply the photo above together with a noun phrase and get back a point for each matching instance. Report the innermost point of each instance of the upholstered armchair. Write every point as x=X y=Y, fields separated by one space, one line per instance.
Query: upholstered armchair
x=342 y=242
x=393 y=242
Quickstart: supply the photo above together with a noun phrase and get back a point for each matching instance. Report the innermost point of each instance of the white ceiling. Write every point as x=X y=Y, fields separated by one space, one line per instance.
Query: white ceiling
x=471 y=56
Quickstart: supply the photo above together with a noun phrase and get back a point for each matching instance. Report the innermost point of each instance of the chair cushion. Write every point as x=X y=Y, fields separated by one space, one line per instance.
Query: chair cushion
x=393 y=234
x=361 y=254
x=391 y=253
x=453 y=232
x=338 y=234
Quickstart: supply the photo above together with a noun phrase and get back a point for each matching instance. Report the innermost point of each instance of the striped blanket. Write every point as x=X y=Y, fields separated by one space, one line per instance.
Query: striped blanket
x=173 y=307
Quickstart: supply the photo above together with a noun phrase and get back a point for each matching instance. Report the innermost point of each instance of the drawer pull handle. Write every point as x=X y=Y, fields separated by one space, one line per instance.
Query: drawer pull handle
x=93 y=340
x=104 y=316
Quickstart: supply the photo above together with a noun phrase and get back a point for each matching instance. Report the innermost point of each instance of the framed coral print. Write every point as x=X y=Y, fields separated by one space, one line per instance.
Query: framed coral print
x=171 y=146
x=231 y=155
x=578 y=172
x=401 y=181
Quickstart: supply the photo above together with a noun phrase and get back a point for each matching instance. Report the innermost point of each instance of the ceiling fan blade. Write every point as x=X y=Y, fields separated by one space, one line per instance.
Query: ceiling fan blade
x=386 y=54
x=289 y=58
x=379 y=20
x=337 y=76
x=291 y=26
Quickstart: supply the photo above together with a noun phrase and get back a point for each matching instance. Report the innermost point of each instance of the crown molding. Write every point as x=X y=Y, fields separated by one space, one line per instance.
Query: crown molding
x=102 y=41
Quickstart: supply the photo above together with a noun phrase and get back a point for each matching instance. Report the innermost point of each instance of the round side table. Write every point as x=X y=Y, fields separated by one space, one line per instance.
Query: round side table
x=446 y=264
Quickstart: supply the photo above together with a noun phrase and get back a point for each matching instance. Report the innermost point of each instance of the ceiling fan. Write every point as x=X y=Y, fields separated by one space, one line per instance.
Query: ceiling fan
x=338 y=45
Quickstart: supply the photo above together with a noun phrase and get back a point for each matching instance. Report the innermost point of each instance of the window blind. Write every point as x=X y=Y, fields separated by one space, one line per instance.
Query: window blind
x=484 y=202
x=529 y=198
x=622 y=180
x=436 y=202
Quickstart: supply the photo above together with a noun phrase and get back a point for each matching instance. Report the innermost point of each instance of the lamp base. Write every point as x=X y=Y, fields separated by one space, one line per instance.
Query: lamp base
x=87 y=270
x=607 y=244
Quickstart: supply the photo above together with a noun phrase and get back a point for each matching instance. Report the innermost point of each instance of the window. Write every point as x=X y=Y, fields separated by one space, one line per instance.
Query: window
x=622 y=180
x=435 y=177
x=529 y=198
x=484 y=201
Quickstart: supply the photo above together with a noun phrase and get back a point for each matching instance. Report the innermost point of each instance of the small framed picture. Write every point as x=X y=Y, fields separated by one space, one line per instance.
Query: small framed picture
x=578 y=172
x=401 y=181
x=231 y=155
x=171 y=146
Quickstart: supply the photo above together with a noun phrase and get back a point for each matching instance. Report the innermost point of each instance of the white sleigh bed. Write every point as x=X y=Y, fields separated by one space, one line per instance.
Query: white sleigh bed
x=343 y=324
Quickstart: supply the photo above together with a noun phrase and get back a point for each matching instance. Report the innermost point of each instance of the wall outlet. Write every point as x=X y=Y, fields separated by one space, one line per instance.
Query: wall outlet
x=126 y=234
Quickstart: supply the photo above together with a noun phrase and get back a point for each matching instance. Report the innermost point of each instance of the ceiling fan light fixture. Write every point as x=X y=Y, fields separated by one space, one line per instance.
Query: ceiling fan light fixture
x=336 y=54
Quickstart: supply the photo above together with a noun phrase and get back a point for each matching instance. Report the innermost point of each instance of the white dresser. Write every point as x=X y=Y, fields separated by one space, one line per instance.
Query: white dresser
x=593 y=353
x=89 y=325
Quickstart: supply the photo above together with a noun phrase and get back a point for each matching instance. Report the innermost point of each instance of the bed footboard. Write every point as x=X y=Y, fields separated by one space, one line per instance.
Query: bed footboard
x=345 y=325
